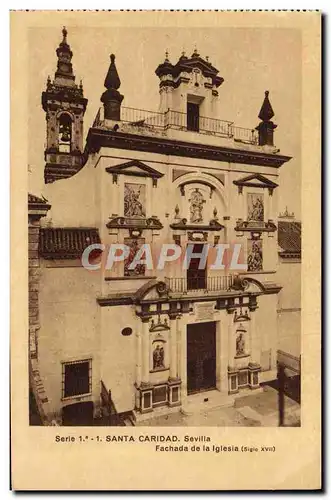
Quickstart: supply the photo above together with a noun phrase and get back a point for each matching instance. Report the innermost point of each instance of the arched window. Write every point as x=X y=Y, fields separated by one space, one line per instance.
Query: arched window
x=65 y=129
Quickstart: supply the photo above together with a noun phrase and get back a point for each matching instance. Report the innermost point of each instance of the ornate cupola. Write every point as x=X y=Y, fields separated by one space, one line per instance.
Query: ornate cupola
x=189 y=86
x=65 y=105
x=112 y=98
x=266 y=127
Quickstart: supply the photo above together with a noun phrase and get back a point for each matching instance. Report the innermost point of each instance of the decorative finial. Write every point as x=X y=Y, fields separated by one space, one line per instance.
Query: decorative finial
x=111 y=98
x=266 y=111
x=64 y=33
x=166 y=56
x=215 y=213
x=183 y=55
x=266 y=127
x=286 y=214
x=195 y=53
x=112 y=80
x=81 y=85
x=207 y=58
x=48 y=81
x=176 y=211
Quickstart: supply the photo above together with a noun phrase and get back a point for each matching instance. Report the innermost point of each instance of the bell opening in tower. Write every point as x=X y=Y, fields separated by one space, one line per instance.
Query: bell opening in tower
x=65 y=128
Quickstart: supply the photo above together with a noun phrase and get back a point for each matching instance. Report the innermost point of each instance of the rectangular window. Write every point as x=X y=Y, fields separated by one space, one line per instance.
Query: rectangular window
x=76 y=378
x=193 y=113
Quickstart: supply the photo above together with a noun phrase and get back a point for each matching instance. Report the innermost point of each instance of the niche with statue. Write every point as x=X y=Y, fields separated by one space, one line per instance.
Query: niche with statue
x=159 y=345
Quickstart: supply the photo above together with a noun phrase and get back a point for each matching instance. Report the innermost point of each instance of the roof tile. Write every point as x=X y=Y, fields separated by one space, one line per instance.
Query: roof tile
x=289 y=236
x=66 y=243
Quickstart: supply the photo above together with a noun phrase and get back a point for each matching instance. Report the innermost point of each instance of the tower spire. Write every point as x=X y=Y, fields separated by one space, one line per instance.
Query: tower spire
x=266 y=127
x=112 y=98
x=64 y=74
x=64 y=33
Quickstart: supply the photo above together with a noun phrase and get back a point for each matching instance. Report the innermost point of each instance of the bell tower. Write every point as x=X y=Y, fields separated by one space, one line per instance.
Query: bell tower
x=64 y=104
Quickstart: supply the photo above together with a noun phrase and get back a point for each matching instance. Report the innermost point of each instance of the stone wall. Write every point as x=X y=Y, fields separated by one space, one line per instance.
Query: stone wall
x=35 y=377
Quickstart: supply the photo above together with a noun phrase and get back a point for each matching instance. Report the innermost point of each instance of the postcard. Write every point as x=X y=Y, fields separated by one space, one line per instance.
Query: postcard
x=165 y=271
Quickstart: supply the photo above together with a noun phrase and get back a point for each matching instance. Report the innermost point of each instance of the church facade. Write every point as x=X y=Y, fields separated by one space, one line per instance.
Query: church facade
x=135 y=337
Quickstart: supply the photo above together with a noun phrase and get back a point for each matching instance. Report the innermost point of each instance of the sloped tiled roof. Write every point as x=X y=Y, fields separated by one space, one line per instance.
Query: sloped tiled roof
x=36 y=203
x=289 y=237
x=35 y=199
x=66 y=243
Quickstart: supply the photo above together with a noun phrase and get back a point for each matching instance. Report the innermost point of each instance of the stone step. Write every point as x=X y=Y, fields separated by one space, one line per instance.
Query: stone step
x=206 y=401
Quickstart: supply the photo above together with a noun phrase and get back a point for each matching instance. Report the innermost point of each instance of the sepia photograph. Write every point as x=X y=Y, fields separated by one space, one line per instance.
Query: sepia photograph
x=165 y=223
x=140 y=165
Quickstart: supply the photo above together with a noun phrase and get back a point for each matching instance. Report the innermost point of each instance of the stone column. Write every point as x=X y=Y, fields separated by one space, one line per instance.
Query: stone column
x=183 y=364
x=255 y=341
x=232 y=339
x=230 y=350
x=145 y=349
x=270 y=204
x=173 y=345
x=138 y=357
x=174 y=380
x=241 y=203
x=254 y=366
x=232 y=374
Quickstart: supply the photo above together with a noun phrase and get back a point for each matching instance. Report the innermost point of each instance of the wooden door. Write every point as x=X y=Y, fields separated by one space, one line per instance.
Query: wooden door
x=201 y=357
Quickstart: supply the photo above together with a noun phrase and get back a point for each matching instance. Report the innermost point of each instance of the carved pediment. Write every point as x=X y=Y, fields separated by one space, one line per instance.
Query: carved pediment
x=256 y=181
x=134 y=168
x=159 y=326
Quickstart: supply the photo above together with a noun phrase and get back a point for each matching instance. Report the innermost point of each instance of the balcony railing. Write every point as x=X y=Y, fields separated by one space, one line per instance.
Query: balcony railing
x=177 y=120
x=208 y=284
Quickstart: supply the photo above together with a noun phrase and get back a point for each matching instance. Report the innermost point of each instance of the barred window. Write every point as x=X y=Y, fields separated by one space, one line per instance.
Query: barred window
x=76 y=378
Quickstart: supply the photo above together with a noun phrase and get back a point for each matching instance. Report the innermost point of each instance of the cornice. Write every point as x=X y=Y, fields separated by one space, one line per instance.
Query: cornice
x=98 y=138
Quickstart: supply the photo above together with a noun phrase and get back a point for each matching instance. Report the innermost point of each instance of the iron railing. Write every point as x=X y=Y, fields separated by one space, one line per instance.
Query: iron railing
x=207 y=284
x=171 y=119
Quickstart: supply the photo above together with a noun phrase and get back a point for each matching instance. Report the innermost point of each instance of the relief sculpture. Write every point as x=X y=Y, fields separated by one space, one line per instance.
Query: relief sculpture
x=134 y=200
x=255 y=209
x=255 y=255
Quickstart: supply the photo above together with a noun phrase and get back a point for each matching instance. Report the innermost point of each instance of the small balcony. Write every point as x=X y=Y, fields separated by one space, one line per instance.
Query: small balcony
x=200 y=284
x=147 y=121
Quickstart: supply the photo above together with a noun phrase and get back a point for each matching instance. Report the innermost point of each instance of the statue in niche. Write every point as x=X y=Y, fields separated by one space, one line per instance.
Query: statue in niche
x=196 y=206
x=240 y=345
x=158 y=357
